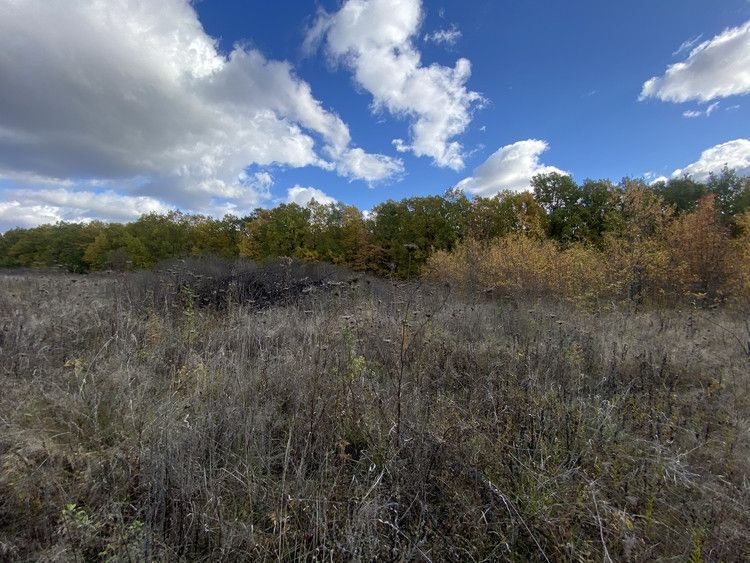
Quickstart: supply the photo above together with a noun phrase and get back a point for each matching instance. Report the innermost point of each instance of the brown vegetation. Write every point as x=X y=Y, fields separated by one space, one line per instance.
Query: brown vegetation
x=366 y=419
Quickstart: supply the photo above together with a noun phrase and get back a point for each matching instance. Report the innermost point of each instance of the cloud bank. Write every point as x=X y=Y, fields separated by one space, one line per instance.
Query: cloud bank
x=32 y=207
x=134 y=95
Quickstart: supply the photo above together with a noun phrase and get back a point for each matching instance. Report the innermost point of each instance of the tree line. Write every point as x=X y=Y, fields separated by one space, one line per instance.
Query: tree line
x=397 y=237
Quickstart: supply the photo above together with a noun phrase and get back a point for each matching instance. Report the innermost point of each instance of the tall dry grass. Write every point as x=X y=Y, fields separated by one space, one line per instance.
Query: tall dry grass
x=364 y=419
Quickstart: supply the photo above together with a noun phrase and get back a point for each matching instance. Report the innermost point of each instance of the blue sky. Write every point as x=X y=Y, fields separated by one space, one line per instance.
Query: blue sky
x=108 y=111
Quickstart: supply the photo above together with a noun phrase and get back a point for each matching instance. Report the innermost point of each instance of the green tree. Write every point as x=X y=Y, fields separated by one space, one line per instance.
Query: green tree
x=115 y=248
x=598 y=209
x=163 y=237
x=683 y=193
x=411 y=229
x=60 y=245
x=215 y=236
x=281 y=231
x=7 y=241
x=504 y=213
x=560 y=196
x=732 y=192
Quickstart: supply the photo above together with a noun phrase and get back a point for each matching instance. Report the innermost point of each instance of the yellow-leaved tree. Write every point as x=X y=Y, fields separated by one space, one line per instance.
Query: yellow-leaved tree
x=637 y=259
x=699 y=257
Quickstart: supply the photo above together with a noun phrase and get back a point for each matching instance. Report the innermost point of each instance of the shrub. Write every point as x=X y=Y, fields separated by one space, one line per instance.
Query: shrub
x=517 y=265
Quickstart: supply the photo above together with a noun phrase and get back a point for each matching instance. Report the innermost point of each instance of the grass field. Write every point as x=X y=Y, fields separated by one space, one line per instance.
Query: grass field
x=297 y=412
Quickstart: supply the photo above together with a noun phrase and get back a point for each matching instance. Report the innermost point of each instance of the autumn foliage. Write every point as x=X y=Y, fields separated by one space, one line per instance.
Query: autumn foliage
x=680 y=240
x=652 y=255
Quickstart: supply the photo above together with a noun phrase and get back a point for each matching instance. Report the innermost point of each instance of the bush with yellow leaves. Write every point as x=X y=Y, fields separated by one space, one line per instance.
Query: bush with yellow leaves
x=517 y=265
x=655 y=257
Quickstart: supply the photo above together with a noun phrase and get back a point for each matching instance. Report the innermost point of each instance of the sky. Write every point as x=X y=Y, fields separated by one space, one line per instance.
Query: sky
x=114 y=108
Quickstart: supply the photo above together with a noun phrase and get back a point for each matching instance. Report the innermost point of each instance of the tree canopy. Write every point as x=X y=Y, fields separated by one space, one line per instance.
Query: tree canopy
x=396 y=237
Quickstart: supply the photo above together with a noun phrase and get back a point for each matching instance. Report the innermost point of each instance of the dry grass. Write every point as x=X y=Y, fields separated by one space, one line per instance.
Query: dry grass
x=362 y=420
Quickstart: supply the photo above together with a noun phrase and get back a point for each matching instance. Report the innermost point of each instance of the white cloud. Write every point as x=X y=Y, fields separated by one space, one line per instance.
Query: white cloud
x=732 y=154
x=303 y=196
x=711 y=108
x=356 y=163
x=448 y=36
x=375 y=38
x=687 y=45
x=717 y=68
x=28 y=208
x=692 y=114
x=510 y=168
x=263 y=179
x=135 y=89
x=15 y=214
x=651 y=178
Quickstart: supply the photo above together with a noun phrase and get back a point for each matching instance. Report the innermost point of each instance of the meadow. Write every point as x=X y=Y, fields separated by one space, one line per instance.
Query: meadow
x=212 y=410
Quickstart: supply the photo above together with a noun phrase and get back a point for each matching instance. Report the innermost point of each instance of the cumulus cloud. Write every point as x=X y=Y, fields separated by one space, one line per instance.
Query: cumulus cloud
x=717 y=68
x=375 y=39
x=136 y=90
x=732 y=154
x=356 y=163
x=448 y=36
x=302 y=196
x=509 y=168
